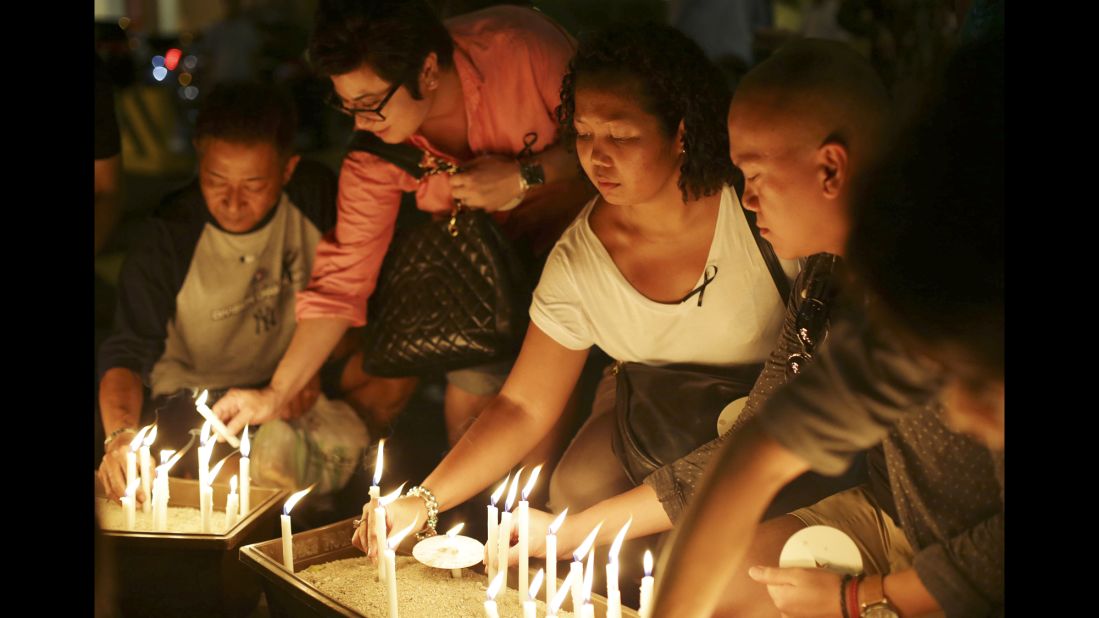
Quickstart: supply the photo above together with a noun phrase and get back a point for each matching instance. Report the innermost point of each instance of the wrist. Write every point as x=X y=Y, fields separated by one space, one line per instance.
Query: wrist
x=121 y=432
x=432 y=507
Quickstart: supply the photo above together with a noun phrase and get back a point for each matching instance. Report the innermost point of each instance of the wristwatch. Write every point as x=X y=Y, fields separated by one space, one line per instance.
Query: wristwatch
x=531 y=174
x=878 y=606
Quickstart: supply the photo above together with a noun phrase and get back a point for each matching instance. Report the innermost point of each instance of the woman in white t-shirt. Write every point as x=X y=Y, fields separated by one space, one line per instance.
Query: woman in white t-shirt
x=660 y=268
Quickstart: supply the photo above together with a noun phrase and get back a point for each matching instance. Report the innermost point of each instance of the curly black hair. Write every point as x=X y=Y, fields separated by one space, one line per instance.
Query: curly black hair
x=676 y=82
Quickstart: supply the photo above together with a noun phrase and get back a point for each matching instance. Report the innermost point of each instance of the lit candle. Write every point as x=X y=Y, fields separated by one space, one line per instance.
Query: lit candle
x=530 y=605
x=391 y=566
x=576 y=568
x=160 y=489
x=558 y=599
x=146 y=459
x=380 y=529
x=245 y=476
x=646 y=605
x=375 y=493
x=490 y=595
x=523 y=518
x=504 y=543
x=129 y=506
x=375 y=489
x=614 y=595
x=232 y=506
x=492 y=543
x=588 y=610
x=131 y=456
x=204 y=453
x=208 y=414
x=551 y=555
x=206 y=499
x=287 y=537
x=450 y=534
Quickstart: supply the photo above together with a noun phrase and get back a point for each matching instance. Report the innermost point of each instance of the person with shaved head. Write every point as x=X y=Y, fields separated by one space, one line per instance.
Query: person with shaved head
x=806 y=127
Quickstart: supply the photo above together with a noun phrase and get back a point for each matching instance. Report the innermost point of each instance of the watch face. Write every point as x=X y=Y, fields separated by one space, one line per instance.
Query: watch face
x=879 y=610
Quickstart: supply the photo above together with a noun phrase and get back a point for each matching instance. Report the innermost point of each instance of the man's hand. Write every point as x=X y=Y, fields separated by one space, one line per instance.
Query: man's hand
x=303 y=401
x=488 y=182
x=240 y=407
x=112 y=470
x=801 y=593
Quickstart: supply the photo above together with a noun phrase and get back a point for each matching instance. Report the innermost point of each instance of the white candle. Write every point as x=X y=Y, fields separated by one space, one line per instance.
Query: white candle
x=504 y=544
x=129 y=505
x=208 y=414
x=146 y=462
x=131 y=466
x=232 y=505
x=206 y=499
x=380 y=529
x=450 y=534
x=524 y=534
x=551 y=555
x=204 y=453
x=490 y=595
x=492 y=543
x=558 y=599
x=614 y=596
x=245 y=478
x=588 y=610
x=287 y=536
x=391 y=566
x=160 y=489
x=530 y=605
x=646 y=605
x=576 y=568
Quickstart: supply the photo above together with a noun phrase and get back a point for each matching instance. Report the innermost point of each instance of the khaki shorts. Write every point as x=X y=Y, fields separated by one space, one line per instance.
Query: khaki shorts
x=883 y=546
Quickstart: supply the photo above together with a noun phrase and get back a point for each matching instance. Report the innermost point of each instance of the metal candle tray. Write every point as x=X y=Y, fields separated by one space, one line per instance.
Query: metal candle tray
x=288 y=596
x=191 y=574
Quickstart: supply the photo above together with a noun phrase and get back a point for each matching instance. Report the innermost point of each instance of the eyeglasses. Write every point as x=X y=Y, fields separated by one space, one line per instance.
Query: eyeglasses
x=371 y=113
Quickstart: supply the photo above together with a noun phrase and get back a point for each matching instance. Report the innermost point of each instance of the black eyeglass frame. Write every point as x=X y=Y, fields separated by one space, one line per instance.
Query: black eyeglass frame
x=373 y=113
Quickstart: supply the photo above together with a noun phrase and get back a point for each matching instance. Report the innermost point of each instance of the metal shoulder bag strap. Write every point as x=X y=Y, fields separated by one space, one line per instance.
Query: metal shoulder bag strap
x=663 y=413
x=451 y=293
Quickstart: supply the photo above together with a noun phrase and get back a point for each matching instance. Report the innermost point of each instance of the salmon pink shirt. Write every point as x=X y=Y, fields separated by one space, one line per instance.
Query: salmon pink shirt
x=510 y=61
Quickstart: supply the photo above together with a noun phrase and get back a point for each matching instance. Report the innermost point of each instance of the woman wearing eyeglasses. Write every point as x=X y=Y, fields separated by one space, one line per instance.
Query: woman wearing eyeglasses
x=478 y=90
x=660 y=268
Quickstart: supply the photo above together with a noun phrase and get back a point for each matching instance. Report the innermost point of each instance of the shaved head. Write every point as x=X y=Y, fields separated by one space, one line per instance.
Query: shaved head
x=820 y=91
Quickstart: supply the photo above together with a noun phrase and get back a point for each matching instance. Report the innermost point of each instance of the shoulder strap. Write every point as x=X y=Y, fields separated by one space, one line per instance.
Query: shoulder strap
x=768 y=252
x=405 y=156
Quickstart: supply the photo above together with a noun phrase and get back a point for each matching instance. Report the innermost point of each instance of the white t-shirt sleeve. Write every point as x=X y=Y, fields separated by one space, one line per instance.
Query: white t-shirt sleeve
x=556 y=307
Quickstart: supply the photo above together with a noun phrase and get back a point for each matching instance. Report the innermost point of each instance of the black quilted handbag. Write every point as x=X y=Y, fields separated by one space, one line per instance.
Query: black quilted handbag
x=452 y=293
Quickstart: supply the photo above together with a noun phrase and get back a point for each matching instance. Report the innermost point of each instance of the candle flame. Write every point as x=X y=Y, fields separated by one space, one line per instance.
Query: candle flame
x=150 y=437
x=648 y=563
x=204 y=437
x=176 y=455
x=166 y=454
x=245 y=444
x=511 y=490
x=292 y=500
x=453 y=532
x=201 y=401
x=495 y=497
x=559 y=598
x=390 y=497
x=530 y=483
x=233 y=484
x=578 y=555
x=556 y=524
x=589 y=575
x=497 y=583
x=395 y=539
x=536 y=585
x=136 y=442
x=214 y=472
x=378 y=463
x=612 y=556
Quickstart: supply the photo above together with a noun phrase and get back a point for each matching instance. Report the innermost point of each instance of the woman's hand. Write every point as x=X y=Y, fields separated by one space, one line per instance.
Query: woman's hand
x=536 y=545
x=489 y=182
x=398 y=515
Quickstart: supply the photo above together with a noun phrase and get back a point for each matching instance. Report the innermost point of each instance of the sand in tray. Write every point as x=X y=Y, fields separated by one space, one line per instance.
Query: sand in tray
x=422 y=591
x=181 y=519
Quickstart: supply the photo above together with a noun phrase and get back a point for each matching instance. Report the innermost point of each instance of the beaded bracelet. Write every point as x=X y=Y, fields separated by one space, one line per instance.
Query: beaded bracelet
x=117 y=432
x=432 y=510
